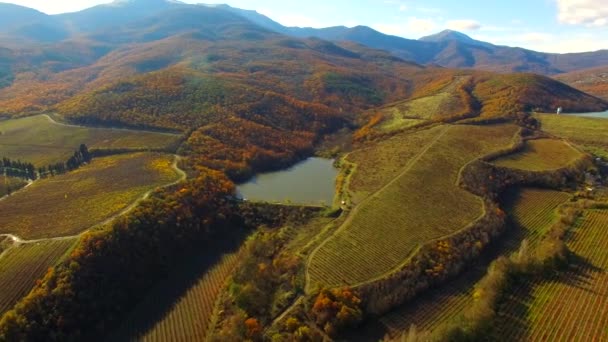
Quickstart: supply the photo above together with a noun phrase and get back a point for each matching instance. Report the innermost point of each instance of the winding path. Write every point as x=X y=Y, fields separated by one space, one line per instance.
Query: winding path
x=18 y=241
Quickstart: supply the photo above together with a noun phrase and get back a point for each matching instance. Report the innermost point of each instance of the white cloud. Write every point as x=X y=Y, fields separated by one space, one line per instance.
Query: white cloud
x=593 y=13
x=463 y=25
x=403 y=8
x=546 y=42
x=417 y=25
x=410 y=27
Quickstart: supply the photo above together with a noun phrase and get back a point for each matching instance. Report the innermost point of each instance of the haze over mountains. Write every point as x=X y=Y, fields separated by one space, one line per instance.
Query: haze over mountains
x=448 y=48
x=91 y=65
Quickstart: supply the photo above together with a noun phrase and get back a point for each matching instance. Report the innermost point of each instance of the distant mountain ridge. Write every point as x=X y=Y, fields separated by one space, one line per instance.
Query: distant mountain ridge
x=142 y=63
x=448 y=48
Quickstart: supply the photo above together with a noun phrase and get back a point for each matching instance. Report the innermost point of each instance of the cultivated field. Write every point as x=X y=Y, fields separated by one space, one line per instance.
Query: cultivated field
x=589 y=133
x=541 y=155
x=531 y=211
x=189 y=317
x=10 y=184
x=442 y=105
x=21 y=266
x=422 y=203
x=41 y=141
x=571 y=306
x=384 y=160
x=70 y=203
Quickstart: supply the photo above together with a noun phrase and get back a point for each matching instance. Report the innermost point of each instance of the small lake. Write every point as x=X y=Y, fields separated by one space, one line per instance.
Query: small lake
x=311 y=181
x=594 y=115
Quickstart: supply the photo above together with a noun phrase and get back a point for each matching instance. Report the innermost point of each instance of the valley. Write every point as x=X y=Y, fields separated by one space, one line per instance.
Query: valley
x=172 y=171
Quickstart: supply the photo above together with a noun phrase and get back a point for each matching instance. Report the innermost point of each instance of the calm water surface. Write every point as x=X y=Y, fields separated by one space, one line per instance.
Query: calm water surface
x=594 y=115
x=309 y=182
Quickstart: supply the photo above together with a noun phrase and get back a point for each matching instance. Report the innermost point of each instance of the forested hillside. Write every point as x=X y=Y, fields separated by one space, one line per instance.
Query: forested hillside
x=239 y=98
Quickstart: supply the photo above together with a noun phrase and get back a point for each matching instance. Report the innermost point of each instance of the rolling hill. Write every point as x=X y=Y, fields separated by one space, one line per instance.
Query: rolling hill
x=593 y=81
x=213 y=70
x=248 y=95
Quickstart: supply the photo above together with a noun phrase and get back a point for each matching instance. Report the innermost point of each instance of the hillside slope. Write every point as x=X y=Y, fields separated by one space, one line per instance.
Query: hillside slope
x=593 y=81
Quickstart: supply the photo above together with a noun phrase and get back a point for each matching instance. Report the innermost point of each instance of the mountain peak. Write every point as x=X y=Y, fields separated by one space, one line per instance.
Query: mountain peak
x=447 y=36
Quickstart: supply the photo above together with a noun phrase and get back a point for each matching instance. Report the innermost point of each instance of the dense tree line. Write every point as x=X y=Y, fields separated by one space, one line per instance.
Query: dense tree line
x=110 y=270
x=17 y=169
x=27 y=171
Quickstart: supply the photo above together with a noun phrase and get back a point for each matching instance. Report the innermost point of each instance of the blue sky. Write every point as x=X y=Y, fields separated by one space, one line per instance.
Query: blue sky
x=543 y=25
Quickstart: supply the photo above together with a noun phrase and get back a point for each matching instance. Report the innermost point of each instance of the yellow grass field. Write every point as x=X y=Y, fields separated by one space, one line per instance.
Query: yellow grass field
x=541 y=155
x=22 y=265
x=70 y=203
x=384 y=160
x=444 y=104
x=41 y=141
x=422 y=203
x=589 y=133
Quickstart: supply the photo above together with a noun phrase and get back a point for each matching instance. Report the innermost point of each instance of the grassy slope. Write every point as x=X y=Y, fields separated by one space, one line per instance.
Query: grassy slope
x=38 y=140
x=541 y=154
x=572 y=305
x=68 y=204
x=11 y=183
x=421 y=204
x=443 y=103
x=384 y=160
x=589 y=133
x=531 y=212
x=22 y=265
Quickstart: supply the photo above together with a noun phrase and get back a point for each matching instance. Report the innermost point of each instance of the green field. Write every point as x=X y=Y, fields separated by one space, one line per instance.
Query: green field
x=422 y=203
x=10 y=184
x=70 y=203
x=531 y=211
x=589 y=133
x=541 y=155
x=444 y=104
x=572 y=305
x=21 y=266
x=39 y=140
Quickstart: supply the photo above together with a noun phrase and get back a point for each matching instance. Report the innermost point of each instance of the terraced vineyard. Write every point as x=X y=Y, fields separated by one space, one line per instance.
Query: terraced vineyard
x=532 y=212
x=589 y=133
x=384 y=160
x=420 y=204
x=70 y=203
x=572 y=306
x=541 y=155
x=39 y=140
x=189 y=317
x=21 y=266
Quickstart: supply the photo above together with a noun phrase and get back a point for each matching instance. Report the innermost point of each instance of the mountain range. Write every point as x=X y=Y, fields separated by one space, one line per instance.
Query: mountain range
x=166 y=64
x=448 y=48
